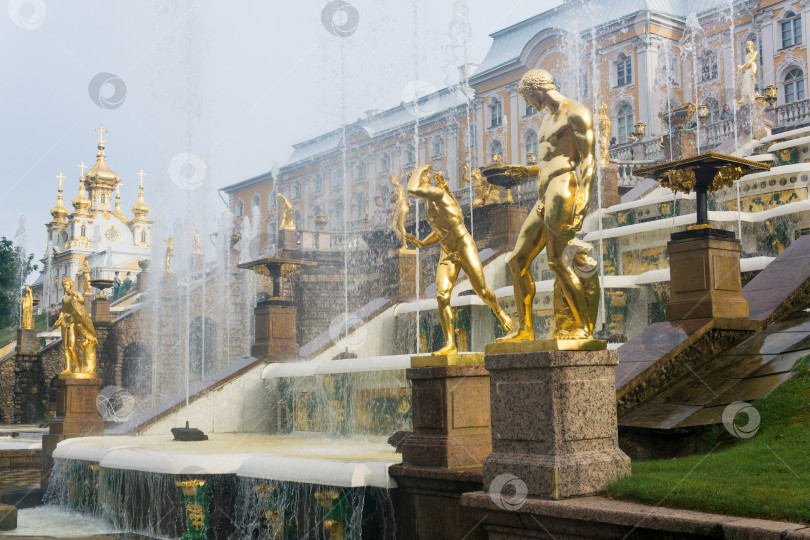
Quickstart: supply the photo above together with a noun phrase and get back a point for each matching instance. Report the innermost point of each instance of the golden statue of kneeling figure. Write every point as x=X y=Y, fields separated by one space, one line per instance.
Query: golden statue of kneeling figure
x=458 y=250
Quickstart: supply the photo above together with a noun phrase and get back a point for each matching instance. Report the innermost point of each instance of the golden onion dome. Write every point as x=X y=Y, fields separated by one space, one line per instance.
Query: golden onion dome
x=81 y=203
x=140 y=210
x=59 y=212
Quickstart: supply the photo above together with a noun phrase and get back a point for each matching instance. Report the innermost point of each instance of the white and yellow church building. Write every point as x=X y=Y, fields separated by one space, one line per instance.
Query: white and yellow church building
x=96 y=231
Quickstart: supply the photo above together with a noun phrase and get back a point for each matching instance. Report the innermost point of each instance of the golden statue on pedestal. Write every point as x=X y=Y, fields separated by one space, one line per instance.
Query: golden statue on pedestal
x=566 y=141
x=604 y=135
x=167 y=266
x=401 y=210
x=85 y=284
x=78 y=335
x=286 y=222
x=458 y=250
x=27 y=322
x=197 y=245
x=748 y=73
x=485 y=192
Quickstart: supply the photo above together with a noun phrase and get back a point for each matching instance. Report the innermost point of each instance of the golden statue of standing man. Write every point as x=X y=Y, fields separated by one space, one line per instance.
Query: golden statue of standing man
x=458 y=250
x=167 y=268
x=604 y=135
x=85 y=271
x=748 y=71
x=78 y=335
x=27 y=322
x=566 y=141
x=401 y=210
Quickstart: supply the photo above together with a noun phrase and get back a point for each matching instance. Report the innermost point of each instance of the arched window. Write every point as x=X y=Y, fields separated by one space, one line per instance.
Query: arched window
x=708 y=65
x=103 y=198
x=530 y=147
x=584 y=85
x=359 y=205
x=317 y=184
x=143 y=237
x=624 y=121
x=438 y=146
x=791 y=30
x=794 y=85
x=255 y=202
x=336 y=219
x=297 y=190
x=385 y=163
x=495 y=113
x=495 y=149
x=410 y=154
x=240 y=208
x=83 y=231
x=360 y=169
x=714 y=109
x=385 y=194
x=530 y=110
x=624 y=70
x=297 y=219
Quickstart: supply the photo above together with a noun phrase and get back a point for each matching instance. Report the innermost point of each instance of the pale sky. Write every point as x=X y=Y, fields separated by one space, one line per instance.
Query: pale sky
x=236 y=83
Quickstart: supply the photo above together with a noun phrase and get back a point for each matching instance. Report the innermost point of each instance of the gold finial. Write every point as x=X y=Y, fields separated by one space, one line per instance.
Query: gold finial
x=117 y=210
x=82 y=166
x=101 y=132
x=140 y=210
x=59 y=212
x=81 y=203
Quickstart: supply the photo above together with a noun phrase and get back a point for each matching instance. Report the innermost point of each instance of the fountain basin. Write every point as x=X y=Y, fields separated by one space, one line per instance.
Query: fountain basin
x=298 y=457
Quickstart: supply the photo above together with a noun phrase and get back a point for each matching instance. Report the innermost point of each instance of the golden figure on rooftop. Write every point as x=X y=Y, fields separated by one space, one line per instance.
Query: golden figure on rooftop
x=485 y=193
x=197 y=246
x=167 y=269
x=79 y=338
x=458 y=250
x=566 y=142
x=401 y=210
x=27 y=322
x=286 y=222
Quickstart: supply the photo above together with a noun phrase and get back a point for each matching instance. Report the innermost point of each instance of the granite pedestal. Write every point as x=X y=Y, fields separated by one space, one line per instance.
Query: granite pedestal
x=275 y=330
x=679 y=144
x=27 y=342
x=288 y=240
x=705 y=276
x=100 y=310
x=406 y=274
x=451 y=417
x=554 y=422
x=506 y=221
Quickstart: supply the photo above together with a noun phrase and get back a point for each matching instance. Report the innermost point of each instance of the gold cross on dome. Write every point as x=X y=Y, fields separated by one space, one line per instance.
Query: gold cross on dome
x=101 y=132
x=141 y=174
x=82 y=166
x=61 y=177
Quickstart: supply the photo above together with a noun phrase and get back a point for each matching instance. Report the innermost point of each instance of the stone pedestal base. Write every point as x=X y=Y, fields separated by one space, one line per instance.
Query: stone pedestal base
x=275 y=331
x=27 y=342
x=76 y=408
x=288 y=240
x=100 y=310
x=554 y=422
x=506 y=222
x=451 y=426
x=323 y=240
x=705 y=276
x=610 y=186
x=406 y=274
x=679 y=144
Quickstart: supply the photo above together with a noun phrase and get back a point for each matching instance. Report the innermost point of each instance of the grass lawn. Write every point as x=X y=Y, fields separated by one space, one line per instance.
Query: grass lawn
x=766 y=476
x=10 y=332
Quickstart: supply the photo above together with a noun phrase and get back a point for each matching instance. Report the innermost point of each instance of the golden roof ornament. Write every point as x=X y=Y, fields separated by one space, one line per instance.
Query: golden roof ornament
x=117 y=211
x=81 y=203
x=59 y=212
x=140 y=210
x=101 y=172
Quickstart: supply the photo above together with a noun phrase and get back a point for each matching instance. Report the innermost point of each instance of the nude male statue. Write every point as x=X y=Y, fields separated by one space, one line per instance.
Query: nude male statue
x=458 y=250
x=401 y=210
x=566 y=141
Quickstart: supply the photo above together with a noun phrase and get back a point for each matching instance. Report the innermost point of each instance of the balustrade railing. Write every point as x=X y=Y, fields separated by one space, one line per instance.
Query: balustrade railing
x=791 y=114
x=626 y=168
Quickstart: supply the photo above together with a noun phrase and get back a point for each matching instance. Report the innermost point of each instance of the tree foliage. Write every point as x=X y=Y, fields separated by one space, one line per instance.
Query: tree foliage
x=15 y=267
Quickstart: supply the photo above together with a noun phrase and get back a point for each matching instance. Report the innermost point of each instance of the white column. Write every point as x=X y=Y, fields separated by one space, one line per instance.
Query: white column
x=514 y=126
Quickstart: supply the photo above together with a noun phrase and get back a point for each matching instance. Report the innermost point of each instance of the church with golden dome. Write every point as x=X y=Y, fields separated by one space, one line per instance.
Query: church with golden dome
x=96 y=231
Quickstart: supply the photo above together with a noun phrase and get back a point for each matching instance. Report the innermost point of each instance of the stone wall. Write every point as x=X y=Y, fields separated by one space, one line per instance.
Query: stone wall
x=7 y=389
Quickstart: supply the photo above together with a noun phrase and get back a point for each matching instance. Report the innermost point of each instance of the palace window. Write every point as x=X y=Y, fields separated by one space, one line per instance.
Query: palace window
x=103 y=198
x=143 y=237
x=708 y=65
x=410 y=154
x=624 y=70
x=359 y=205
x=495 y=113
x=297 y=190
x=360 y=169
x=714 y=109
x=791 y=30
x=584 y=86
x=530 y=146
x=83 y=231
x=255 y=202
x=438 y=146
x=624 y=121
x=529 y=109
x=337 y=215
x=240 y=208
x=385 y=163
x=317 y=184
x=794 y=86
x=495 y=149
